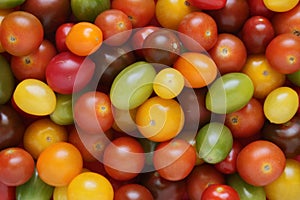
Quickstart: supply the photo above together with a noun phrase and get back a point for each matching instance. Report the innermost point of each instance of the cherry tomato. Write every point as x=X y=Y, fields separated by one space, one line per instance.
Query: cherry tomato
x=90 y=185
x=63 y=113
x=280 y=6
x=124 y=120
x=17 y=166
x=84 y=38
x=220 y=192
x=34 y=97
x=130 y=191
x=7 y=192
x=7 y=81
x=42 y=133
x=119 y=33
x=6 y=4
x=21 y=33
x=60 y=36
x=54 y=166
x=258 y=8
x=198 y=69
x=267 y=162
x=172 y=155
x=3 y=13
x=93 y=112
x=160 y=119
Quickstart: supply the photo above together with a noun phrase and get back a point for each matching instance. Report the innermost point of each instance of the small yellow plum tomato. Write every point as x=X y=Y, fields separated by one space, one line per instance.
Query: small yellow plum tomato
x=90 y=185
x=286 y=187
x=35 y=97
x=281 y=105
x=168 y=83
x=280 y=5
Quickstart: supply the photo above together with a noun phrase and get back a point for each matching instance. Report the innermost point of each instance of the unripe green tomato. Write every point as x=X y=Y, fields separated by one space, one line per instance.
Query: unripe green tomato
x=63 y=113
x=7 y=81
x=7 y=4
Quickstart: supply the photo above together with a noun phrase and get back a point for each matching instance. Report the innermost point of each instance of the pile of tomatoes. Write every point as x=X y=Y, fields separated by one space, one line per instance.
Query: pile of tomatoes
x=149 y=99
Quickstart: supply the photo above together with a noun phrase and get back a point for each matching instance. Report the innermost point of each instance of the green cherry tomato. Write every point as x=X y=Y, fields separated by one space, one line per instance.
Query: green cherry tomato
x=34 y=97
x=7 y=4
x=294 y=77
x=214 y=142
x=133 y=85
x=7 y=81
x=229 y=93
x=63 y=113
x=281 y=105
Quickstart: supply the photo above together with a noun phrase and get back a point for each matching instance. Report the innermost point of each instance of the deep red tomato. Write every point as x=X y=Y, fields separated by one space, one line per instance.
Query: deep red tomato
x=93 y=112
x=21 y=33
x=67 y=72
x=140 y=12
x=17 y=166
x=283 y=53
x=60 y=36
x=199 y=179
x=220 y=192
x=115 y=25
x=257 y=32
x=33 y=65
x=173 y=155
x=228 y=165
x=247 y=121
x=199 y=31
x=124 y=158
x=260 y=162
x=7 y=192
x=133 y=191
x=258 y=8
x=229 y=53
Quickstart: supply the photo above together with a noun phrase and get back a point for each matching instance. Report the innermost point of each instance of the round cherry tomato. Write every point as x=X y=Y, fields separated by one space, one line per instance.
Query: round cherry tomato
x=220 y=192
x=115 y=25
x=84 y=38
x=34 y=97
x=17 y=166
x=172 y=155
x=130 y=191
x=124 y=158
x=280 y=5
x=67 y=72
x=258 y=8
x=284 y=187
x=281 y=105
x=63 y=113
x=54 y=167
x=60 y=36
x=160 y=119
x=198 y=69
x=260 y=162
x=124 y=120
x=93 y=112
x=90 y=185
x=21 y=33
x=42 y=133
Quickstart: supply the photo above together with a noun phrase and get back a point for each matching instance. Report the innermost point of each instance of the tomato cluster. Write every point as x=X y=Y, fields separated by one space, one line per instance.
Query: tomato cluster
x=149 y=99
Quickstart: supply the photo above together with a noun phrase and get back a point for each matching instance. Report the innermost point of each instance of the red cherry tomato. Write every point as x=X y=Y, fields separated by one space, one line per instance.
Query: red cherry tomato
x=60 y=36
x=220 y=192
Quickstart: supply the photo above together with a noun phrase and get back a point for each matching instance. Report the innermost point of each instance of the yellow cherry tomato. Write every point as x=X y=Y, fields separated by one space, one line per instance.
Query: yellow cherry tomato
x=35 y=97
x=280 y=5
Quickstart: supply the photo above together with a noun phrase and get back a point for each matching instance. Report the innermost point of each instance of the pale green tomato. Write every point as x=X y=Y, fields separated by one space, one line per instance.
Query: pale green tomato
x=63 y=113
x=281 y=105
x=133 y=85
x=229 y=93
x=35 y=97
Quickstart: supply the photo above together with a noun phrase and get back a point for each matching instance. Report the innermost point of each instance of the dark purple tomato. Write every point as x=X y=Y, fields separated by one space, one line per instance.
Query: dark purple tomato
x=258 y=8
x=257 y=32
x=133 y=192
x=11 y=127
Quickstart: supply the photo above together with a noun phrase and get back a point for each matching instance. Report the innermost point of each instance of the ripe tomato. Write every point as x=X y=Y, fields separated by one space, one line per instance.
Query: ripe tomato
x=124 y=158
x=54 y=166
x=3 y=13
x=90 y=185
x=229 y=53
x=280 y=5
x=60 y=36
x=124 y=120
x=201 y=30
x=84 y=38
x=128 y=191
x=260 y=162
x=115 y=25
x=42 y=133
x=160 y=119
x=172 y=155
x=33 y=65
x=283 y=53
x=285 y=187
x=264 y=77
x=7 y=192
x=17 y=166
x=139 y=12
x=171 y=20
x=258 y=8
x=220 y=192
x=198 y=69
x=21 y=33
x=93 y=112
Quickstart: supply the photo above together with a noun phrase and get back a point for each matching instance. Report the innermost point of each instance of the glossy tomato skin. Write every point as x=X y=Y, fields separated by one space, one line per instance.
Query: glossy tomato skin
x=220 y=192
x=60 y=36
x=67 y=72
x=257 y=32
x=21 y=33
x=17 y=166
x=130 y=191
x=211 y=5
